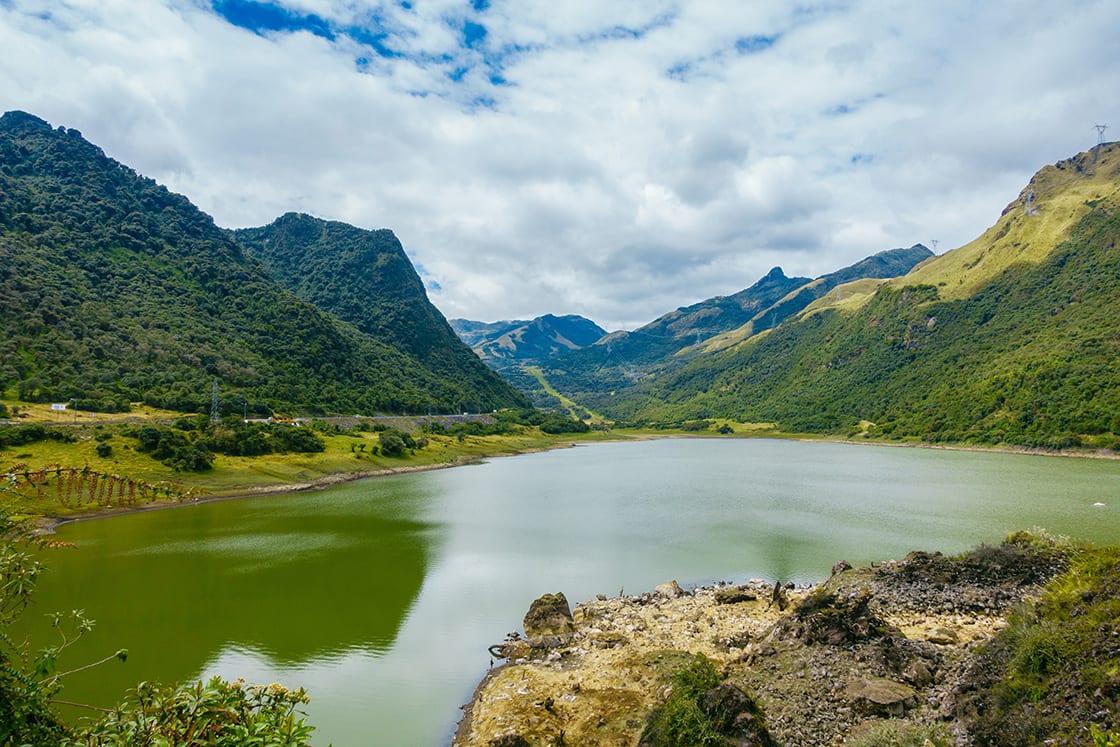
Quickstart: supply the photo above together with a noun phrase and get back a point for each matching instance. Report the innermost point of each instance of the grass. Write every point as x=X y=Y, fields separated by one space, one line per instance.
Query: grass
x=1062 y=197
x=890 y=734
x=680 y=720
x=1062 y=649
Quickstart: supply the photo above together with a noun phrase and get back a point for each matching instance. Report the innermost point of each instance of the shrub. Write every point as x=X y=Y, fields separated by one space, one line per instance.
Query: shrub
x=558 y=424
x=217 y=713
x=391 y=441
x=680 y=720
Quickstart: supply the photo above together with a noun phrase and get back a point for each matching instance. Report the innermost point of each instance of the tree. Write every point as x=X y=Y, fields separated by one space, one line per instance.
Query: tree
x=392 y=442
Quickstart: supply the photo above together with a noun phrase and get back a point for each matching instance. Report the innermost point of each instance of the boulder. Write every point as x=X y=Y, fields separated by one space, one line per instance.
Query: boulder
x=671 y=590
x=942 y=636
x=841 y=566
x=881 y=696
x=549 y=615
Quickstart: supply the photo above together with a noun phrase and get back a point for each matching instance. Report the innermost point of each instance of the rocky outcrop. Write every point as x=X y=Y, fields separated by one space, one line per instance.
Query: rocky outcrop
x=890 y=642
x=548 y=615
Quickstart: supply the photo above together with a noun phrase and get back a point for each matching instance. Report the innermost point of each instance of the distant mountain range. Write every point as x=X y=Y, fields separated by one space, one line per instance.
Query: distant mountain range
x=1013 y=338
x=530 y=341
x=115 y=290
x=618 y=362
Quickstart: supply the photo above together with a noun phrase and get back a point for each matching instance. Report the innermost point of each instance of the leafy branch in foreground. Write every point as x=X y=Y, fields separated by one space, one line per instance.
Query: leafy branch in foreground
x=216 y=714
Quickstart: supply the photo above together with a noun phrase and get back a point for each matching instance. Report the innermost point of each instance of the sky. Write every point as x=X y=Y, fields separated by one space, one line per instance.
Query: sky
x=611 y=159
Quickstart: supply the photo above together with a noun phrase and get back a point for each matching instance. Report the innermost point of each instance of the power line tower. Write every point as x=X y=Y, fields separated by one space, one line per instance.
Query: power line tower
x=933 y=245
x=1100 y=140
x=215 y=414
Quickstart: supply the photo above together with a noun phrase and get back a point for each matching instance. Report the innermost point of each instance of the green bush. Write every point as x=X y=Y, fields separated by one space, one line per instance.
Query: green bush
x=214 y=714
x=392 y=442
x=680 y=720
x=21 y=435
x=558 y=424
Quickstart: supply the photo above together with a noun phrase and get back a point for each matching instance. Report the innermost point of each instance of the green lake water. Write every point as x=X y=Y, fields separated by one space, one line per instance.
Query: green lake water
x=382 y=596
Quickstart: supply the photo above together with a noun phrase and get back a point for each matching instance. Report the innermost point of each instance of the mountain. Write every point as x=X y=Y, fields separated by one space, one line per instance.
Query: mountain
x=527 y=341
x=600 y=374
x=115 y=290
x=366 y=279
x=1012 y=338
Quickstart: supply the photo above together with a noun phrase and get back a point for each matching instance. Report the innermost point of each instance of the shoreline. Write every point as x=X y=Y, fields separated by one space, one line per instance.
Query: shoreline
x=46 y=524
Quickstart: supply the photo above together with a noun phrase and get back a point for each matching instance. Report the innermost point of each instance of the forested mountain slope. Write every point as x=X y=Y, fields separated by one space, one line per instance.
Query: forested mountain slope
x=365 y=278
x=113 y=289
x=981 y=344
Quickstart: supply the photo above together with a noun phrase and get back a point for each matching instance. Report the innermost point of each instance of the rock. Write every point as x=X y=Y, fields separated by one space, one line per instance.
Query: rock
x=735 y=594
x=835 y=619
x=942 y=636
x=841 y=566
x=882 y=696
x=607 y=639
x=918 y=673
x=672 y=590
x=549 y=615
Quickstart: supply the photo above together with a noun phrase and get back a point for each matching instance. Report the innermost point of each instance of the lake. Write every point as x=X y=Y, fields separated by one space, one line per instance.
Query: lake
x=381 y=596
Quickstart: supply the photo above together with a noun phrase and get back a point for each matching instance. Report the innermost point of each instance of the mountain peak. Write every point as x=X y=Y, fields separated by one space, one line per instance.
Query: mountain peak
x=16 y=120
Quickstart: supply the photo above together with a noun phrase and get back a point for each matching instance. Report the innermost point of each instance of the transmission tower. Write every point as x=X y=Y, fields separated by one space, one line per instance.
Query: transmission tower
x=933 y=245
x=1100 y=140
x=215 y=415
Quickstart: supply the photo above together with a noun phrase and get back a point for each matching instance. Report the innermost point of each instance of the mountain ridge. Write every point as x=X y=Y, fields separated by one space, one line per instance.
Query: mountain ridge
x=114 y=290
x=1027 y=359
x=527 y=341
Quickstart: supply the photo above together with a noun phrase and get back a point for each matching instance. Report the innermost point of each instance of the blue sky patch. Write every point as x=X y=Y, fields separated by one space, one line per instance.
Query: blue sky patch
x=375 y=40
x=754 y=44
x=261 y=17
x=473 y=33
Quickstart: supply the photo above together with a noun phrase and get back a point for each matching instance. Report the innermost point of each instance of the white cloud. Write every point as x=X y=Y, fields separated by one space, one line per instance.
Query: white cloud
x=616 y=160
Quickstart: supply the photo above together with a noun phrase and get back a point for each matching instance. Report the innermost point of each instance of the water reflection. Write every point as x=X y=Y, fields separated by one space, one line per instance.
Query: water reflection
x=295 y=580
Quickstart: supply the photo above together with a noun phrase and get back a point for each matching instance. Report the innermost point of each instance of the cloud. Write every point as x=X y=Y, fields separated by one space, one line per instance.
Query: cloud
x=616 y=160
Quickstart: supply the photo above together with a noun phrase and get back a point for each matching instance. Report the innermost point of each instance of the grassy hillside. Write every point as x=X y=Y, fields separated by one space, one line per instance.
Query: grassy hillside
x=114 y=290
x=1028 y=357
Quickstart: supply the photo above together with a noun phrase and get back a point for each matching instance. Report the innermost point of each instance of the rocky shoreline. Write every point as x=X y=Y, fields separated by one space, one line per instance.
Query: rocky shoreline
x=890 y=645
